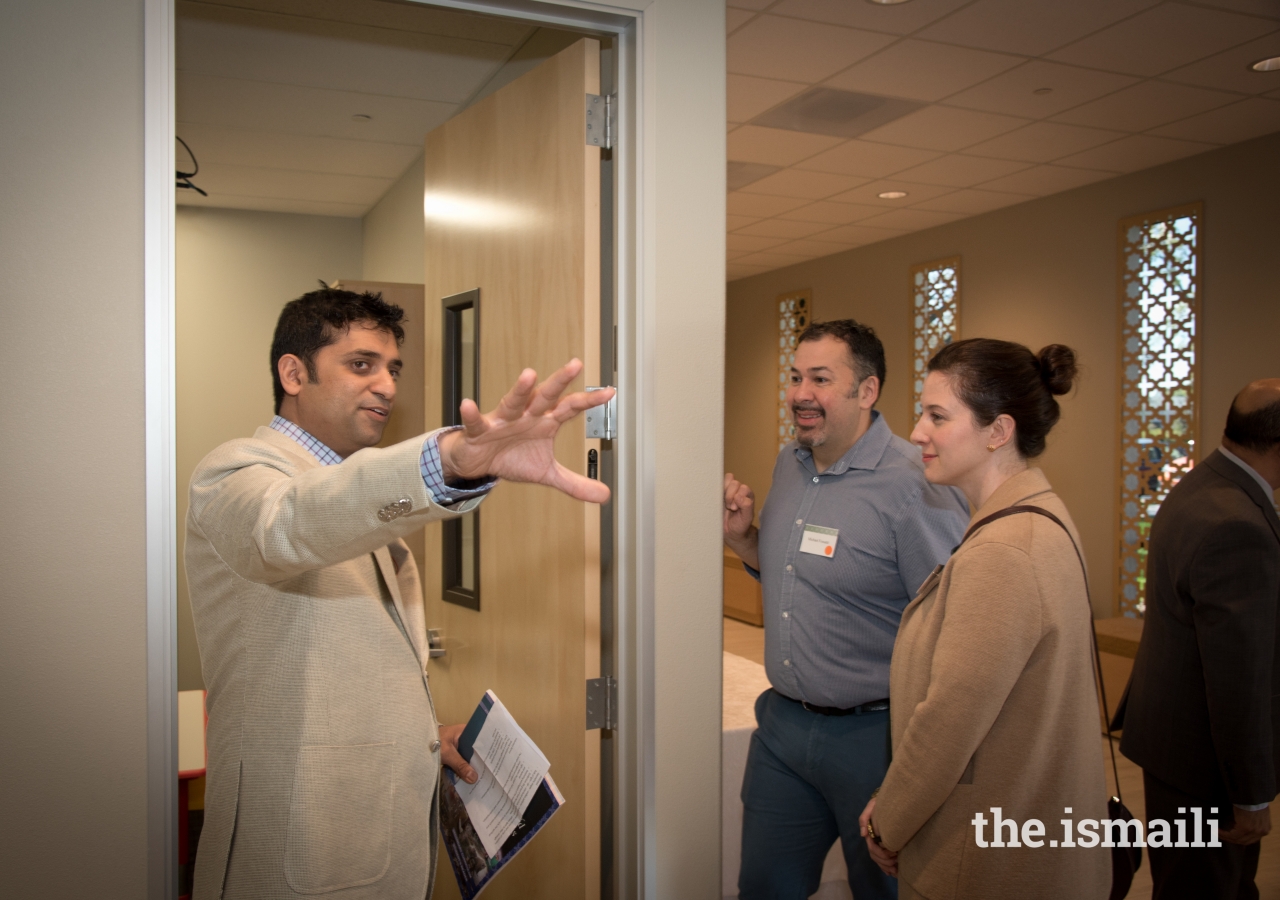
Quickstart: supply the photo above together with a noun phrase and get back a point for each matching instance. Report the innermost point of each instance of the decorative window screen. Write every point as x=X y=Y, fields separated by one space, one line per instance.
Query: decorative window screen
x=795 y=310
x=1159 y=284
x=935 y=317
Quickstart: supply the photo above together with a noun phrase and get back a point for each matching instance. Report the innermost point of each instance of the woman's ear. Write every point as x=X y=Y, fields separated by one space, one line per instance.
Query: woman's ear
x=1003 y=431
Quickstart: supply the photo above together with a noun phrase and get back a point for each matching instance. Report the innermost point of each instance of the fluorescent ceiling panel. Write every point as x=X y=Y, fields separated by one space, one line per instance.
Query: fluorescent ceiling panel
x=845 y=114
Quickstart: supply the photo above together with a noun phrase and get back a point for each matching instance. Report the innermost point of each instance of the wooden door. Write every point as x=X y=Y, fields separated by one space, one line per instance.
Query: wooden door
x=513 y=206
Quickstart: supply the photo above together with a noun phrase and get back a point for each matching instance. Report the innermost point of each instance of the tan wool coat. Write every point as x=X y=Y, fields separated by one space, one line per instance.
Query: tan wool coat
x=994 y=705
x=323 y=742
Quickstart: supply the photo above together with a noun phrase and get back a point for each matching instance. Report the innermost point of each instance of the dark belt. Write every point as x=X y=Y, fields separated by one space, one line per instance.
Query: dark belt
x=873 y=706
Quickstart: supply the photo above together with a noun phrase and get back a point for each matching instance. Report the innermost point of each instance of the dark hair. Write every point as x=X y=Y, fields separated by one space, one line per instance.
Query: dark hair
x=995 y=378
x=864 y=347
x=1258 y=429
x=315 y=319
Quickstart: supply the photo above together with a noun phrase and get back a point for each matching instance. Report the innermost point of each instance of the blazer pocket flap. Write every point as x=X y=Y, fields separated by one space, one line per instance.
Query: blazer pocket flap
x=339 y=833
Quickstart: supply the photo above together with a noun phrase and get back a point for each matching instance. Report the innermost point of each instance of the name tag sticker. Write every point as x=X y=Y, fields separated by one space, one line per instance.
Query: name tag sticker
x=819 y=541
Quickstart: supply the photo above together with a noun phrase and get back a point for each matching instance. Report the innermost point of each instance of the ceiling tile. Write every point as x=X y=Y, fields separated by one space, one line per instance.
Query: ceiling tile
x=789 y=49
x=735 y=222
x=867 y=160
x=736 y=18
x=258 y=106
x=751 y=243
x=775 y=146
x=943 y=128
x=1162 y=38
x=730 y=255
x=1041 y=181
x=913 y=219
x=1230 y=70
x=735 y=271
x=833 y=213
x=760 y=205
x=972 y=202
x=749 y=96
x=273 y=150
x=815 y=249
x=1014 y=93
x=1241 y=121
x=772 y=259
x=740 y=174
x=1268 y=8
x=799 y=183
x=250 y=181
x=955 y=170
x=1043 y=142
x=781 y=228
x=1138 y=151
x=754 y=5
x=266 y=47
x=870 y=193
x=1029 y=27
x=859 y=235
x=922 y=70
x=901 y=18
x=275 y=204
x=1146 y=105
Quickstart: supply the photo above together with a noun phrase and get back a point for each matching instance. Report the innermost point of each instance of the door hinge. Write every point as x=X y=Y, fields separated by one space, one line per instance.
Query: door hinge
x=600 y=120
x=602 y=421
x=602 y=703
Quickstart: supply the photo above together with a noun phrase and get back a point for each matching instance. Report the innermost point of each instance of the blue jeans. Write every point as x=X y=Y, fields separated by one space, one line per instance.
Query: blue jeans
x=808 y=778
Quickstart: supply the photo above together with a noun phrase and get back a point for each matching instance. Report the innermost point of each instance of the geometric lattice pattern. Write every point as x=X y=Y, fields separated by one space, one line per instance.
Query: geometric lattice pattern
x=935 y=322
x=1159 y=280
x=795 y=311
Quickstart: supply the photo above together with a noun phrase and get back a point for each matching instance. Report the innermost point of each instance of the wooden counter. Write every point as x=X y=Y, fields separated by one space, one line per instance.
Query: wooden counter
x=743 y=598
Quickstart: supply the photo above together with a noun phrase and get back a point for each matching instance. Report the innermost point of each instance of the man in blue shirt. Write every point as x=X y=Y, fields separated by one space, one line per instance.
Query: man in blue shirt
x=850 y=530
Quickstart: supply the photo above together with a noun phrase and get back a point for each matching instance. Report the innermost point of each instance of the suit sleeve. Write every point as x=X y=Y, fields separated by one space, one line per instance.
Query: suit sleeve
x=1234 y=586
x=993 y=624
x=269 y=525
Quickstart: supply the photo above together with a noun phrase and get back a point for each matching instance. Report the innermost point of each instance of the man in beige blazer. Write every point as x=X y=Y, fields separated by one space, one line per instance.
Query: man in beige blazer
x=324 y=750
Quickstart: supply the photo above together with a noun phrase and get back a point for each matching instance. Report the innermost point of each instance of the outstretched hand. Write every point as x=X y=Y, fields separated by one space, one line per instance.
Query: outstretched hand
x=516 y=441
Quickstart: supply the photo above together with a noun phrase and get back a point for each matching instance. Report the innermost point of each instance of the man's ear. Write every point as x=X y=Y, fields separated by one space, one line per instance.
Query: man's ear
x=293 y=374
x=869 y=391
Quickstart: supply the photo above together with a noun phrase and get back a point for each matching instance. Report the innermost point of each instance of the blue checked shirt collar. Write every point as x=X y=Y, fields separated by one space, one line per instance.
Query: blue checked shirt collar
x=314 y=446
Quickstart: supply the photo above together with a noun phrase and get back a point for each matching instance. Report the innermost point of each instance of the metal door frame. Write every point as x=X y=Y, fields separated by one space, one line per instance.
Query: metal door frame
x=634 y=850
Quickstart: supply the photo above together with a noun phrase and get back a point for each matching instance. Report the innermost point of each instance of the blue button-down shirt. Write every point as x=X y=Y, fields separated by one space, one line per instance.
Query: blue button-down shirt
x=830 y=623
x=428 y=463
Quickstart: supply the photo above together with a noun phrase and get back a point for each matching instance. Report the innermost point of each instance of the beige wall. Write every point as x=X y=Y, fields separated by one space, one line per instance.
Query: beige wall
x=73 y=790
x=236 y=270
x=393 y=232
x=1043 y=272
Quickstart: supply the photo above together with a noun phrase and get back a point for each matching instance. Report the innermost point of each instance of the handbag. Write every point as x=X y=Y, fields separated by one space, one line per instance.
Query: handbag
x=1125 y=861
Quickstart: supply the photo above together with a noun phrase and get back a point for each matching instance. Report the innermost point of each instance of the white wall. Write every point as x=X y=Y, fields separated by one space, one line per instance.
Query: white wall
x=73 y=663
x=393 y=231
x=236 y=271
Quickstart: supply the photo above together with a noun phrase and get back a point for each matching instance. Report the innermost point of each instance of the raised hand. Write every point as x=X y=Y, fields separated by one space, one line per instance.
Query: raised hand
x=516 y=441
x=739 y=510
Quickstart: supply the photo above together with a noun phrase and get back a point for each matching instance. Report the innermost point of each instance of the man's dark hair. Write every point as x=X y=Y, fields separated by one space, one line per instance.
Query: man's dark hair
x=314 y=320
x=864 y=347
x=1258 y=430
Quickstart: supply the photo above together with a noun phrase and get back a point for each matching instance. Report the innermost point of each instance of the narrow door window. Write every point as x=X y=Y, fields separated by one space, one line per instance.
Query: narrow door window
x=461 y=544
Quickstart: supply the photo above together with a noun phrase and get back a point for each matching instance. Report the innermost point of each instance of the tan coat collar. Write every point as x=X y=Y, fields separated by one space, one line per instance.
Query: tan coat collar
x=288 y=445
x=1015 y=490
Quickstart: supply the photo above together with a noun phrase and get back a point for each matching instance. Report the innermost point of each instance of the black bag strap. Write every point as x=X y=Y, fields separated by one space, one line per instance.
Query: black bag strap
x=1099 y=685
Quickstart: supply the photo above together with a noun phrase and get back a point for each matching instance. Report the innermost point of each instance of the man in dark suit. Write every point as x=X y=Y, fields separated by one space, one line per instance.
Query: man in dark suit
x=1200 y=713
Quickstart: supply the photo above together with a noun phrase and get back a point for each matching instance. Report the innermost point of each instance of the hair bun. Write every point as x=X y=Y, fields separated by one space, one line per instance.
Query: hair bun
x=1058 y=371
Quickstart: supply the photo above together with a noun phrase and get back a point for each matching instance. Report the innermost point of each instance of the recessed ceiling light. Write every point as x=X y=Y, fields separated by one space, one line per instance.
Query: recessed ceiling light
x=1267 y=65
x=361 y=117
x=887 y=2
x=891 y=195
x=1042 y=91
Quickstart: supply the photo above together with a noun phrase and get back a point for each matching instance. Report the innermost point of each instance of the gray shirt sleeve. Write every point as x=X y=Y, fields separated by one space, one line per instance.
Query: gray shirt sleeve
x=930 y=527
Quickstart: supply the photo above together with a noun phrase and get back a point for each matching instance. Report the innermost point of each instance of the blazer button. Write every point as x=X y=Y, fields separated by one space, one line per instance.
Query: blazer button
x=404 y=504
x=435 y=746
x=384 y=516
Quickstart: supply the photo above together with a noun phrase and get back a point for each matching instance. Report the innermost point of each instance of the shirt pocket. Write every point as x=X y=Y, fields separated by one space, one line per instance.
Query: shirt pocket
x=339 y=833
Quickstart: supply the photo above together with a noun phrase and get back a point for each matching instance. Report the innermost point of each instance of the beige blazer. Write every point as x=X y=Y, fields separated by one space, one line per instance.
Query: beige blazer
x=994 y=706
x=322 y=739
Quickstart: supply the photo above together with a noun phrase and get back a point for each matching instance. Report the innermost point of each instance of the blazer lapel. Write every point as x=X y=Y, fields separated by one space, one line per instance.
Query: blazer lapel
x=412 y=624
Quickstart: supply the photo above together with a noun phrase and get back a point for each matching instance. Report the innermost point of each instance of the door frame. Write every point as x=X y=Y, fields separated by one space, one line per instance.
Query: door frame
x=635 y=845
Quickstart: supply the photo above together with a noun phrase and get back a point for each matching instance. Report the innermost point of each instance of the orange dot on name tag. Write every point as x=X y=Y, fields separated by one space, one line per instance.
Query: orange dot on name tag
x=827 y=550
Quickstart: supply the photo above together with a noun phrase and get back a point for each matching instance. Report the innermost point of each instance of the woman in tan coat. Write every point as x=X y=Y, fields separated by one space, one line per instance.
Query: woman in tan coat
x=994 y=711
